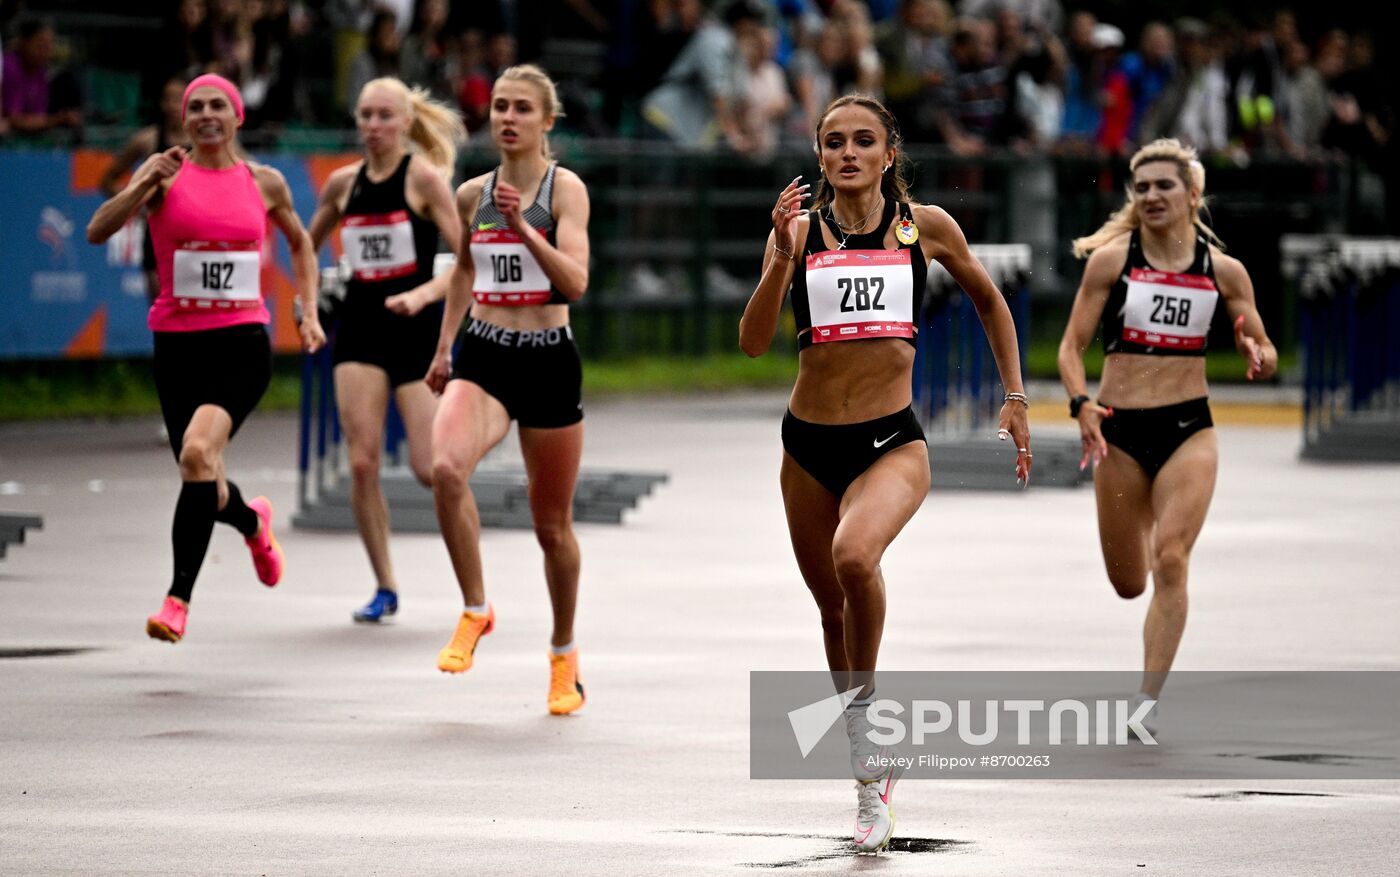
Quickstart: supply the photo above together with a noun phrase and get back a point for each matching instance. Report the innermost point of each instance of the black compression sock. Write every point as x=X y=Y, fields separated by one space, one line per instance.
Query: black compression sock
x=237 y=514
x=189 y=535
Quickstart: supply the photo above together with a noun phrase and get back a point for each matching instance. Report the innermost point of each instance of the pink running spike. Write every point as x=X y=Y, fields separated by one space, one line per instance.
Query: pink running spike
x=169 y=623
x=267 y=554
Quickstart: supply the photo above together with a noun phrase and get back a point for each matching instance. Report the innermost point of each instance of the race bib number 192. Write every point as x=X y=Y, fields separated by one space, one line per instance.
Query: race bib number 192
x=217 y=275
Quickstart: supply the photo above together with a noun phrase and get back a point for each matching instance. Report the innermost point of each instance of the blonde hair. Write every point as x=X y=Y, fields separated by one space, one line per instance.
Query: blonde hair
x=435 y=128
x=1126 y=218
x=549 y=95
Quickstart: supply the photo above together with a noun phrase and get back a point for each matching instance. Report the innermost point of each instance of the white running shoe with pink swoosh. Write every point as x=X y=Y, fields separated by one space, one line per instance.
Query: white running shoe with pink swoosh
x=874 y=818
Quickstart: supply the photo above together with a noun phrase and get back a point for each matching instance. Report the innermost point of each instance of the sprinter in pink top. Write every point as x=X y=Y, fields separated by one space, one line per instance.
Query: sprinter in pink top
x=208 y=211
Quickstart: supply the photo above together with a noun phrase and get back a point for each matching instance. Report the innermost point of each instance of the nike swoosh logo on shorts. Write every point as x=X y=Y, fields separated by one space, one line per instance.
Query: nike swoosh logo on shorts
x=881 y=444
x=1182 y=424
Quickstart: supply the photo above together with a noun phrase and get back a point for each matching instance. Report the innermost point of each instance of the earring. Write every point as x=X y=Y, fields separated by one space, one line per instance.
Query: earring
x=886 y=170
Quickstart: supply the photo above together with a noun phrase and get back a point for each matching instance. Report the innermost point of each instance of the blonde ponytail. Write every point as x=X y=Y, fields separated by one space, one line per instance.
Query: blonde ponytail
x=436 y=129
x=1126 y=218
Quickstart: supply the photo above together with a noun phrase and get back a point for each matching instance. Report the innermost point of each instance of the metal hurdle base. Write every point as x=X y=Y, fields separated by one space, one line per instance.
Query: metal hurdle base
x=600 y=498
x=1357 y=438
x=988 y=464
x=12 y=527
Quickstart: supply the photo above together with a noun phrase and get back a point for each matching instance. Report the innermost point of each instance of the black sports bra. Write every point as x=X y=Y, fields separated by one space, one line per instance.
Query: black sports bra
x=1159 y=312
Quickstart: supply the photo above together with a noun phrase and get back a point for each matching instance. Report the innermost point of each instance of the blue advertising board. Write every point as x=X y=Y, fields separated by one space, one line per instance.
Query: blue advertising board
x=63 y=297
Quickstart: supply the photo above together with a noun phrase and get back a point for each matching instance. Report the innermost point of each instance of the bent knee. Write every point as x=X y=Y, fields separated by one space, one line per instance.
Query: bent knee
x=364 y=466
x=553 y=535
x=448 y=474
x=198 y=459
x=1169 y=563
x=854 y=564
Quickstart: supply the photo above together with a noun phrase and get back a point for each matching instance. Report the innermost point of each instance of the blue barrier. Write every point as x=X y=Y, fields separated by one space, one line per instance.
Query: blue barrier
x=65 y=298
x=1349 y=317
x=957 y=388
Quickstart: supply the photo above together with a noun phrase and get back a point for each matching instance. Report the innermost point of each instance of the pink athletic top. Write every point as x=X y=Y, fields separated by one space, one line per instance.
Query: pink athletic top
x=208 y=235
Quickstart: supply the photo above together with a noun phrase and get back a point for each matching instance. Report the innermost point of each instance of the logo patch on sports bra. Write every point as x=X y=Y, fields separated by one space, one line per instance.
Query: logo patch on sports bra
x=906 y=231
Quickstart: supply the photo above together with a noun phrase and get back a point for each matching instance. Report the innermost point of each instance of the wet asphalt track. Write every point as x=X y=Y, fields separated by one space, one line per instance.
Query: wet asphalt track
x=278 y=738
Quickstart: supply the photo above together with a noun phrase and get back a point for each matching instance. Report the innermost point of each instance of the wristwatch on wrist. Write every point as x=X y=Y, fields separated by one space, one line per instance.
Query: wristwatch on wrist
x=1075 y=404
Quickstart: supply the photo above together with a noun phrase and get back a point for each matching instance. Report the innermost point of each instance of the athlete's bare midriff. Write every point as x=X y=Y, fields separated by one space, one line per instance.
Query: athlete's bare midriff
x=853 y=381
x=529 y=318
x=1141 y=380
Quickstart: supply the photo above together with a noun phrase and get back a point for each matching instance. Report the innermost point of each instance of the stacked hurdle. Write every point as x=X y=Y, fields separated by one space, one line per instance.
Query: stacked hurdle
x=12 y=527
x=1348 y=292
x=958 y=391
x=323 y=484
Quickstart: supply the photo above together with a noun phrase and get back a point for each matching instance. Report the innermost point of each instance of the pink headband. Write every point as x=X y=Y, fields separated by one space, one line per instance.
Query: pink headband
x=213 y=80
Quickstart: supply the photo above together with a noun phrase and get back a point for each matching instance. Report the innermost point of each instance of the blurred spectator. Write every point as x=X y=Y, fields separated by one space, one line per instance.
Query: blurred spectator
x=914 y=49
x=1115 y=94
x=1369 y=88
x=813 y=83
x=1035 y=66
x=428 y=59
x=474 y=93
x=500 y=53
x=379 y=58
x=231 y=34
x=982 y=113
x=767 y=101
x=1302 y=103
x=1148 y=71
x=1193 y=107
x=355 y=15
x=1082 y=110
x=192 y=39
x=859 y=69
x=698 y=100
x=481 y=59
x=1041 y=16
x=34 y=101
x=1355 y=126
x=270 y=83
x=641 y=45
x=1254 y=74
x=403 y=10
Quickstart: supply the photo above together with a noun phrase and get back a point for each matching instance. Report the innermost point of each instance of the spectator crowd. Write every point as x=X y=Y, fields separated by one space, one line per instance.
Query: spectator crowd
x=753 y=75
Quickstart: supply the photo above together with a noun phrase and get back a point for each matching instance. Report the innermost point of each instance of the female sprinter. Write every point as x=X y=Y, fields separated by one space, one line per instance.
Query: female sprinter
x=208 y=211
x=1155 y=276
x=855 y=464
x=391 y=207
x=526 y=259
